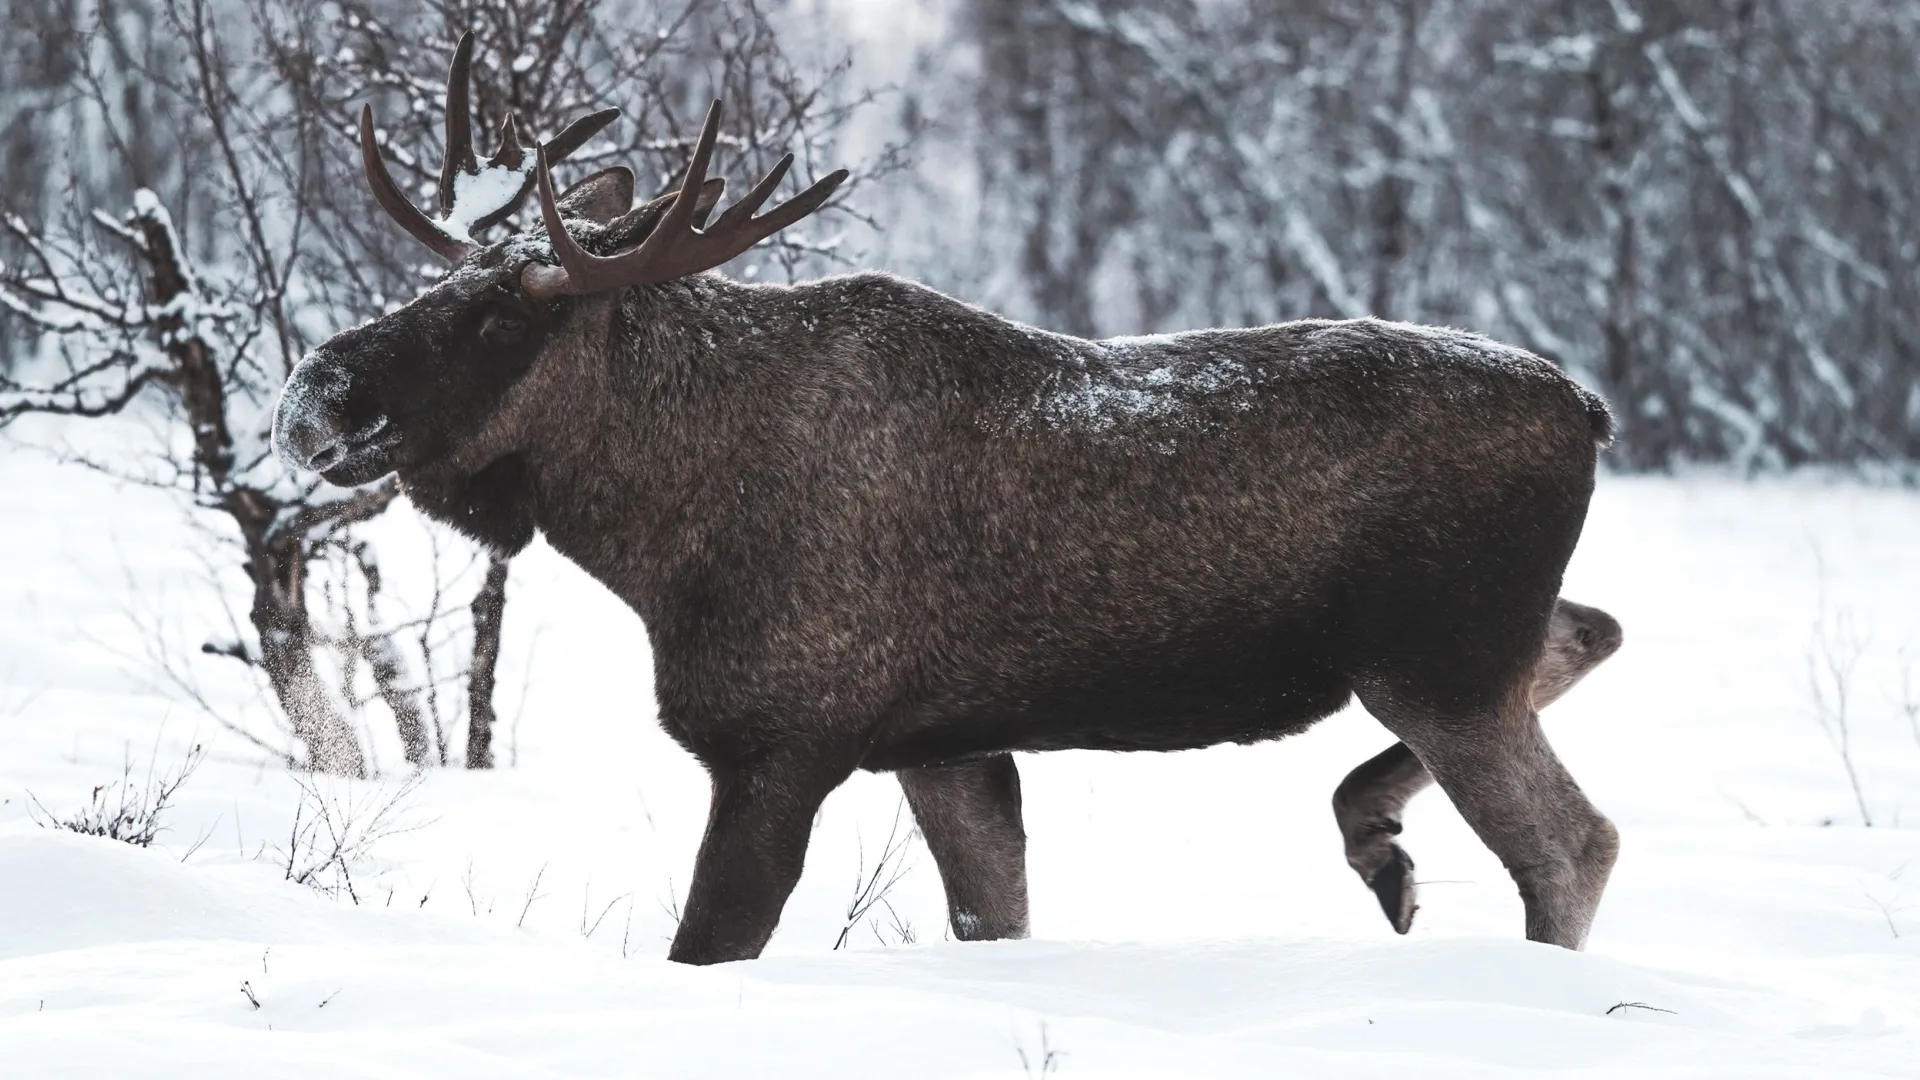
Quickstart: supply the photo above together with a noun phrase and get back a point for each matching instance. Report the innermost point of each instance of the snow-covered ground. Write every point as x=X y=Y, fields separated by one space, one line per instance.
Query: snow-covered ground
x=1193 y=915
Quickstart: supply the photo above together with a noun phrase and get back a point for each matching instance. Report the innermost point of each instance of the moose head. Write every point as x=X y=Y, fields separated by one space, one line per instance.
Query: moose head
x=410 y=387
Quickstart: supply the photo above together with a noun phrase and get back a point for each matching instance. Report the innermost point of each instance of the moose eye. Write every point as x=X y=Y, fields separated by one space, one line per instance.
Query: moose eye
x=503 y=326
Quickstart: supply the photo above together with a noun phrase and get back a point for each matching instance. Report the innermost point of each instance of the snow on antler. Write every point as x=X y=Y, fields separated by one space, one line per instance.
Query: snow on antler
x=471 y=197
x=483 y=194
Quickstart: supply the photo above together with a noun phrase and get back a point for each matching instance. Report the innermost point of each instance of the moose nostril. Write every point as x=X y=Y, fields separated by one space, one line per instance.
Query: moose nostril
x=308 y=438
x=323 y=448
x=327 y=456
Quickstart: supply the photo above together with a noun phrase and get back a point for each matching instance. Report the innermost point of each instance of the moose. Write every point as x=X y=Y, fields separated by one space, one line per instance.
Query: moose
x=870 y=526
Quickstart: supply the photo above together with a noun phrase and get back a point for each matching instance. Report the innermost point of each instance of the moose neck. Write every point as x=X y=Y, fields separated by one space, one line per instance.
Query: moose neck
x=635 y=465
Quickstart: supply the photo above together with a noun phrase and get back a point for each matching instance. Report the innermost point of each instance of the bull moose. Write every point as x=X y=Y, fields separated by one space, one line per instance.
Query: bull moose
x=870 y=526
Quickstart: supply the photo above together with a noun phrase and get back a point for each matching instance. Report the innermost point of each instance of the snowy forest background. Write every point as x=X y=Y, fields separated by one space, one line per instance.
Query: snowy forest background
x=396 y=807
x=1704 y=208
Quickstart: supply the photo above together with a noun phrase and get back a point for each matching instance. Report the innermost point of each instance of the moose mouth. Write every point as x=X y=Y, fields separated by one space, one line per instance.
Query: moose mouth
x=365 y=455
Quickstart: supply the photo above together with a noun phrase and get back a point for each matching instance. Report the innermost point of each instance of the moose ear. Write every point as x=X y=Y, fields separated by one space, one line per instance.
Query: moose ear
x=639 y=221
x=601 y=197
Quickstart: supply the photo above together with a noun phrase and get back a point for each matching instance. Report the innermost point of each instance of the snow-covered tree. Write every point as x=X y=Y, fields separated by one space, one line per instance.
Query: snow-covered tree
x=1704 y=208
x=249 y=236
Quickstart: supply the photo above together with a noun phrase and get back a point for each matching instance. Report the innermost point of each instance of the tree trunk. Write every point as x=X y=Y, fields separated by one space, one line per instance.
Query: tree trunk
x=390 y=679
x=279 y=617
x=275 y=558
x=1392 y=240
x=488 y=608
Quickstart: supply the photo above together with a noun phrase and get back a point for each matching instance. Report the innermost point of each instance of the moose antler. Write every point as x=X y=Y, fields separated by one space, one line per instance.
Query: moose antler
x=472 y=199
x=677 y=246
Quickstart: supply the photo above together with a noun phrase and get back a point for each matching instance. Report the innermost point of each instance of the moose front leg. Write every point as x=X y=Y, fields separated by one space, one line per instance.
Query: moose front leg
x=750 y=858
x=970 y=815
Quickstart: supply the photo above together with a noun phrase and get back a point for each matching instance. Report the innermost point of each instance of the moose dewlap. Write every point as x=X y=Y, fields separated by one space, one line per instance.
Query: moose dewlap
x=870 y=526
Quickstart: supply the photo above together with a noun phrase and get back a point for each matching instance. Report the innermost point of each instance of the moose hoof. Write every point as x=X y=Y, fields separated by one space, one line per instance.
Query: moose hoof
x=1392 y=884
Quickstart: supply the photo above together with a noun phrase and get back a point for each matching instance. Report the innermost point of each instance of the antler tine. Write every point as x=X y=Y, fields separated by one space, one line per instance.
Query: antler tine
x=447 y=236
x=677 y=246
x=459 y=156
x=787 y=213
x=395 y=202
x=575 y=135
x=743 y=210
x=572 y=138
x=575 y=263
x=580 y=272
x=510 y=154
x=668 y=235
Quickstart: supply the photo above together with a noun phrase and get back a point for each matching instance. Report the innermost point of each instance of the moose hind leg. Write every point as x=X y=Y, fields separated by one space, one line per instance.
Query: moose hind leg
x=970 y=816
x=1368 y=804
x=1506 y=781
x=750 y=858
x=1579 y=639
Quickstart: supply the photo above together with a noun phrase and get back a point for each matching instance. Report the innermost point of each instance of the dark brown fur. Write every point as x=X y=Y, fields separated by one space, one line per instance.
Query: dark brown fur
x=869 y=526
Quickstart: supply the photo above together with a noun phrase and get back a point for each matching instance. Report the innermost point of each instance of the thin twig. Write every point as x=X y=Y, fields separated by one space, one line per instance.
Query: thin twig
x=533 y=893
x=1639 y=1005
x=871 y=889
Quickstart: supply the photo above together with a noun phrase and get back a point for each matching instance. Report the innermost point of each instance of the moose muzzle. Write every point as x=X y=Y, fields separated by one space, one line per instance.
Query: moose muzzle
x=316 y=429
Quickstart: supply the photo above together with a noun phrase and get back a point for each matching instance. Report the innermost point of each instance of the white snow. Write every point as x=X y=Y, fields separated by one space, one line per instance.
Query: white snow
x=1127 y=384
x=1107 y=385
x=475 y=195
x=1192 y=912
x=53 y=317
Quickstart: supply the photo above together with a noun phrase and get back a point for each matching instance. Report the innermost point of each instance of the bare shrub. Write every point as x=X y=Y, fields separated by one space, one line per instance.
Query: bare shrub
x=533 y=893
x=897 y=925
x=1890 y=905
x=1909 y=702
x=336 y=826
x=1833 y=658
x=589 y=925
x=124 y=809
x=1043 y=1062
x=669 y=906
x=870 y=889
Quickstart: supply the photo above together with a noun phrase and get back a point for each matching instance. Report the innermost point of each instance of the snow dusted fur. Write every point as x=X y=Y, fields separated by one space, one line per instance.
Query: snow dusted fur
x=870 y=526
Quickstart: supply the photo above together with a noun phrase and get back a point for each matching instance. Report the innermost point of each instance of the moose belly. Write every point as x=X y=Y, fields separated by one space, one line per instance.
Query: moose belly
x=1214 y=685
